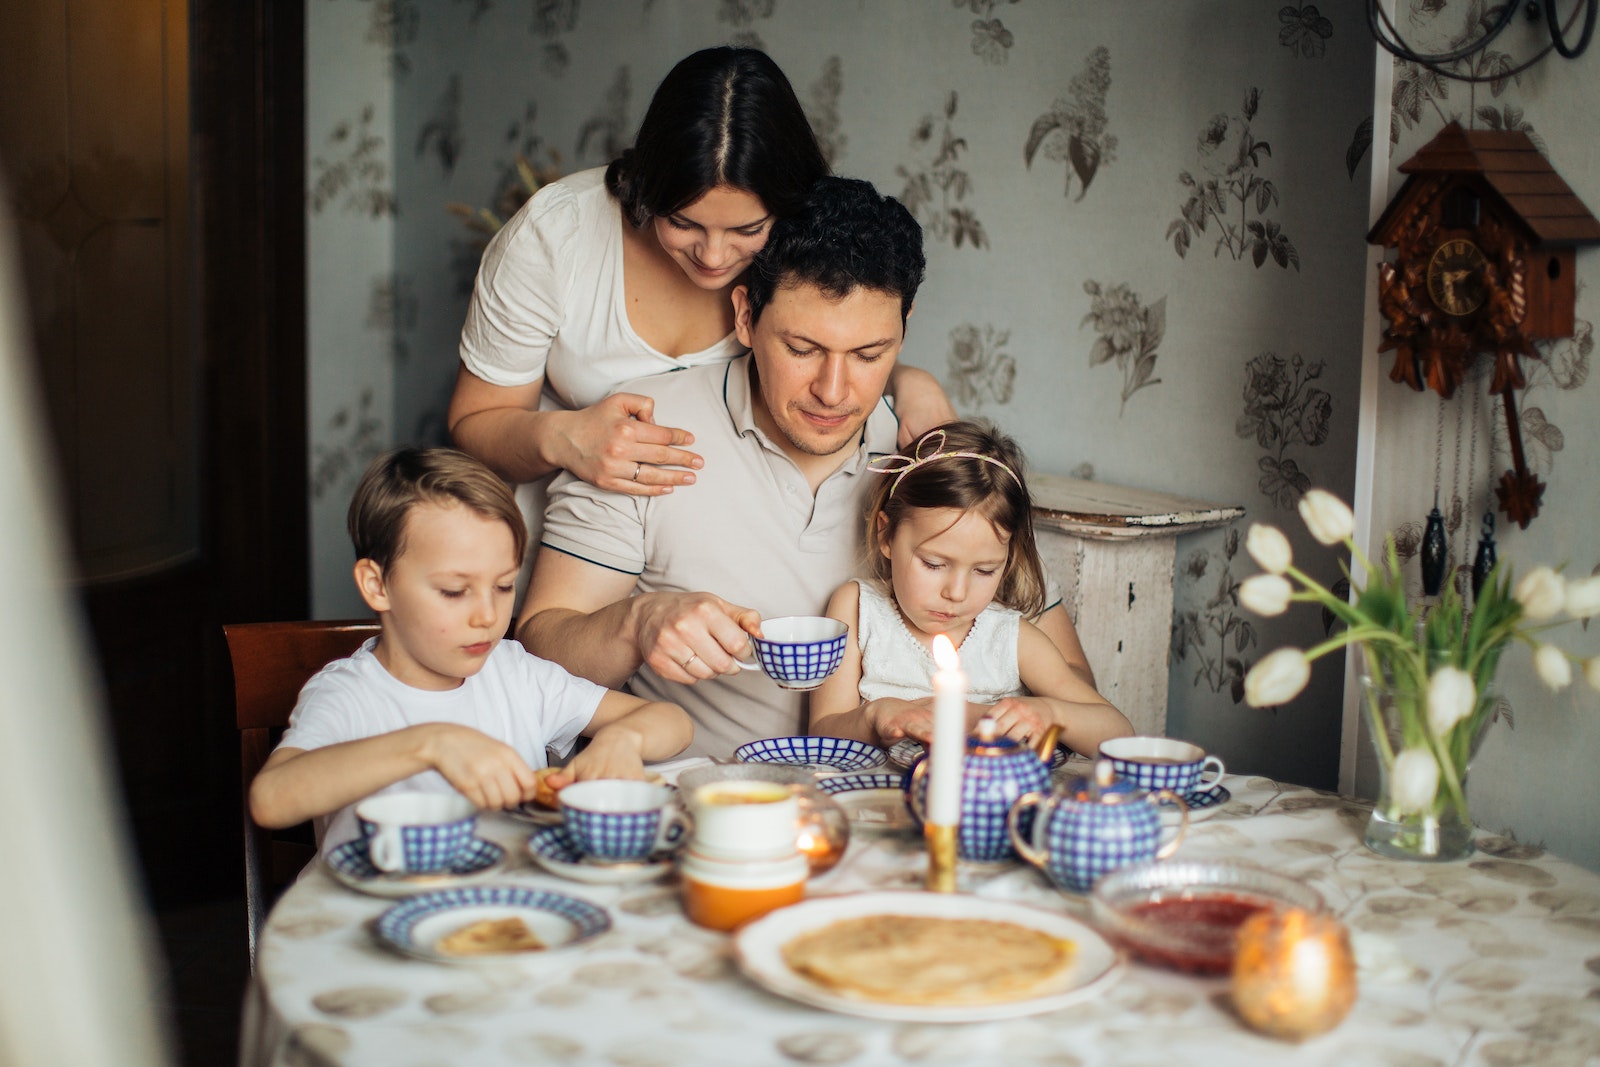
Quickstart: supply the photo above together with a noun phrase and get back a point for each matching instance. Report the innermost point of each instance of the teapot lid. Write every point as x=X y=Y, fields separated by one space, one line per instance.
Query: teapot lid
x=983 y=742
x=1104 y=787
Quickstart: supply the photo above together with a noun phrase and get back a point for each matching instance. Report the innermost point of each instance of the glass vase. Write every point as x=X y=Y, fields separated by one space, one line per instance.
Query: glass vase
x=1442 y=830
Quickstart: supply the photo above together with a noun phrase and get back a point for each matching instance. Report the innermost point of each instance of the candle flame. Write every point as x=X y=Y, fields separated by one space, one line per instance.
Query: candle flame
x=944 y=654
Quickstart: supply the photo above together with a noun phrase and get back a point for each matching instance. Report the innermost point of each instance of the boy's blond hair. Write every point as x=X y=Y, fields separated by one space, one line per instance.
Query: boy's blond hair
x=403 y=478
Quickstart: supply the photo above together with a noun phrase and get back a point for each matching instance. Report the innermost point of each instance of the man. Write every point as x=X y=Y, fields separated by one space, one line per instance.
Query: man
x=659 y=594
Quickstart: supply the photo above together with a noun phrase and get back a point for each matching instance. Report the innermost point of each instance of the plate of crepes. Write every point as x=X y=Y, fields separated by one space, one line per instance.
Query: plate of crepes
x=488 y=923
x=926 y=957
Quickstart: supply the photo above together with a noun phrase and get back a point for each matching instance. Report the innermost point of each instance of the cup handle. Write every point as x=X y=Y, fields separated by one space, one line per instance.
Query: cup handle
x=1211 y=763
x=676 y=825
x=384 y=848
x=1166 y=796
x=1029 y=851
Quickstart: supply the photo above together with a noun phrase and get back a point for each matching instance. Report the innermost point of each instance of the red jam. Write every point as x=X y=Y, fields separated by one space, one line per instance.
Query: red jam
x=1194 y=934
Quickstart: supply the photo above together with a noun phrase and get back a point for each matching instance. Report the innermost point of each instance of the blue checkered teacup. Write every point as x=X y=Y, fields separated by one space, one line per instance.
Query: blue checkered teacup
x=799 y=651
x=616 y=820
x=1156 y=763
x=417 y=833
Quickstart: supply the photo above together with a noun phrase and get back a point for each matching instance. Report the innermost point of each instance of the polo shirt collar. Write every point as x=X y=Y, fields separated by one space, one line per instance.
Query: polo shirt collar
x=878 y=436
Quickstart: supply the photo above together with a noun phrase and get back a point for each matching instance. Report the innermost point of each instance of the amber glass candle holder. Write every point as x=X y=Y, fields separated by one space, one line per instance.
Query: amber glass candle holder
x=1293 y=973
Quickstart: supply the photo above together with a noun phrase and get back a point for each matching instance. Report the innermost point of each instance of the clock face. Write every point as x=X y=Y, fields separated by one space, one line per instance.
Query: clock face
x=1456 y=277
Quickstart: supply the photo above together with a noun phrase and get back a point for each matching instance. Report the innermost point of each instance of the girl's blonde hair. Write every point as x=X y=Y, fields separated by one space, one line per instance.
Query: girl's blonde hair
x=969 y=466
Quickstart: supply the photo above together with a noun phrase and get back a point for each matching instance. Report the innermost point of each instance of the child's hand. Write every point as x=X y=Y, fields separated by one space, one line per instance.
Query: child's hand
x=487 y=772
x=611 y=753
x=893 y=719
x=1020 y=718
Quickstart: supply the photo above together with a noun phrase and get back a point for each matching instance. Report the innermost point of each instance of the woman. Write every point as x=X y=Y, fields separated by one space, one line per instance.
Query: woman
x=604 y=277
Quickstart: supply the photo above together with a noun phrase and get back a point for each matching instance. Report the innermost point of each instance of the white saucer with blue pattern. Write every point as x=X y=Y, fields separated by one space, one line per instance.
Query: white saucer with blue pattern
x=349 y=864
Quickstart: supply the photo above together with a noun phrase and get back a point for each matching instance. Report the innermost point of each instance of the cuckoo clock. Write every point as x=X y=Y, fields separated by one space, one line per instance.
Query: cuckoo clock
x=1484 y=233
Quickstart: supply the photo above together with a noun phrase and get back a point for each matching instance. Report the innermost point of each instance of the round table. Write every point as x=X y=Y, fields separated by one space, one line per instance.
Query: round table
x=1493 y=960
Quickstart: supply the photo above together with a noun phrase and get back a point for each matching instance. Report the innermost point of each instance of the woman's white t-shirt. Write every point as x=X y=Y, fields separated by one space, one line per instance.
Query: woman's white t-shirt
x=549 y=302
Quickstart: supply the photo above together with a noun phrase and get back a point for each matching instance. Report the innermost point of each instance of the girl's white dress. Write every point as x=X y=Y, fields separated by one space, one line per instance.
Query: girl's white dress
x=895 y=664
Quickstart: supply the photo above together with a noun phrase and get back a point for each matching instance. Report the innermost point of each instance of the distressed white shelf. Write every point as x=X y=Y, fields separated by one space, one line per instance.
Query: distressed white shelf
x=1112 y=550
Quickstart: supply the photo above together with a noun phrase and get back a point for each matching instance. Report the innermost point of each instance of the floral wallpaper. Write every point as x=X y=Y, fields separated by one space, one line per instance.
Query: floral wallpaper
x=1146 y=243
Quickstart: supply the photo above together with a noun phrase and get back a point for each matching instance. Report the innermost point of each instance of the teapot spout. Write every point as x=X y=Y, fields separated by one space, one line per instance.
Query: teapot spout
x=1046 y=747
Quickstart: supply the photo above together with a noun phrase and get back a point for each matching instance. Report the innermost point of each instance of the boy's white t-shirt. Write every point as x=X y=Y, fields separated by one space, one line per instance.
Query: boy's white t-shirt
x=529 y=703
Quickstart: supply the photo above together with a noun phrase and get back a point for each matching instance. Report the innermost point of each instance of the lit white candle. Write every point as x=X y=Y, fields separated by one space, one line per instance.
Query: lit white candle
x=947 y=757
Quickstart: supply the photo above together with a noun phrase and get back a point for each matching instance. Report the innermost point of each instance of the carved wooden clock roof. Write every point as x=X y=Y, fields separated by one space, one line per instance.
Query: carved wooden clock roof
x=1484 y=232
x=1506 y=165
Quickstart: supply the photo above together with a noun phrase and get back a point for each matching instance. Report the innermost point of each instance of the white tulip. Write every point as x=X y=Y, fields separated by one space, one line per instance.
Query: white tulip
x=1327 y=517
x=1541 y=592
x=1583 y=597
x=1414 y=780
x=1266 y=594
x=1553 y=667
x=1277 y=678
x=1269 y=548
x=1451 y=697
x=1591 y=672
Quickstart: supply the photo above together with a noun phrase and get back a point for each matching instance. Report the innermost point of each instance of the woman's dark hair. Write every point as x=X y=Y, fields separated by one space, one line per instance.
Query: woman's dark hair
x=941 y=471
x=722 y=116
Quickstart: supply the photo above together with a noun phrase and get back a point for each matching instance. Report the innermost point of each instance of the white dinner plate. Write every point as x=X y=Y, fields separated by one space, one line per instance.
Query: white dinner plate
x=553 y=849
x=416 y=926
x=873 y=801
x=350 y=865
x=759 y=949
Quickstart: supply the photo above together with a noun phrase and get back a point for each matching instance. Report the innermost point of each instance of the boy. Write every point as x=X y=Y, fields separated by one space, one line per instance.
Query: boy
x=438 y=700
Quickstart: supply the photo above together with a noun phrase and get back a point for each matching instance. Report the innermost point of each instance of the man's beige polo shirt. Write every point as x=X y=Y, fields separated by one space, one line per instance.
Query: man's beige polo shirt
x=748 y=530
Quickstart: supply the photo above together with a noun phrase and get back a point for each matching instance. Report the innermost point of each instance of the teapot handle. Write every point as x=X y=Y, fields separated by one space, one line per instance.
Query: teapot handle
x=912 y=798
x=1039 y=857
x=1183 y=826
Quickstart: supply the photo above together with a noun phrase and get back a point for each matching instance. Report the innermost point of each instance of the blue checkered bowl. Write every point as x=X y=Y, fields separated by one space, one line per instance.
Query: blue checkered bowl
x=417 y=833
x=800 y=651
x=814 y=753
x=613 y=820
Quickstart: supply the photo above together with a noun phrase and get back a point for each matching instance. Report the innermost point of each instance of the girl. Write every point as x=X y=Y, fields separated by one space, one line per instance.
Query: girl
x=950 y=551
x=625 y=271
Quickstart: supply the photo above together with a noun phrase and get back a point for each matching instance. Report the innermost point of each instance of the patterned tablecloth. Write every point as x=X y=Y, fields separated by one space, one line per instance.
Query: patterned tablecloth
x=1494 y=960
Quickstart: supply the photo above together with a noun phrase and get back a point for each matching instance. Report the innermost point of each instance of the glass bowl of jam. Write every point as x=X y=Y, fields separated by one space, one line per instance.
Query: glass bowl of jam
x=1186 y=914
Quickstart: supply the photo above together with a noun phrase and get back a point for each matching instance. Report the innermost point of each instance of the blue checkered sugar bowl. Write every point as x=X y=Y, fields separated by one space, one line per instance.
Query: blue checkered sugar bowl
x=996 y=773
x=1092 y=827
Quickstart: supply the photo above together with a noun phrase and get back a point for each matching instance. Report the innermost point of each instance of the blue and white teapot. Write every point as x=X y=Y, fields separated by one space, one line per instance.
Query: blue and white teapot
x=996 y=772
x=1093 y=826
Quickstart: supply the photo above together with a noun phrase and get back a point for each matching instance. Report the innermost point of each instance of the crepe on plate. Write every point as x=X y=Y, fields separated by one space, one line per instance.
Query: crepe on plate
x=925 y=959
x=486 y=936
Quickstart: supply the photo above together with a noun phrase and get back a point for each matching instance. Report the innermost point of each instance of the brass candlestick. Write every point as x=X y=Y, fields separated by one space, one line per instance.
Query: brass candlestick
x=941 y=840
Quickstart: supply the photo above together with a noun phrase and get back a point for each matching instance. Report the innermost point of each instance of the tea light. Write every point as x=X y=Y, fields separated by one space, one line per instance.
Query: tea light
x=1293 y=974
x=823 y=829
x=946 y=761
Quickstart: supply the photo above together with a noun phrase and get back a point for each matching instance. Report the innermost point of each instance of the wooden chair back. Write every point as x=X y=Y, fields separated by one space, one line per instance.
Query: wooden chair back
x=271 y=661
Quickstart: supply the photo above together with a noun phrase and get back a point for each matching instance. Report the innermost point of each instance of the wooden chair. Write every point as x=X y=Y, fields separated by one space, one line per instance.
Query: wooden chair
x=271 y=661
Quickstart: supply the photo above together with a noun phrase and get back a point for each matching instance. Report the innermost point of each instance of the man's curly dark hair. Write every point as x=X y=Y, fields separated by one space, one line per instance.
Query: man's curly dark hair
x=847 y=236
